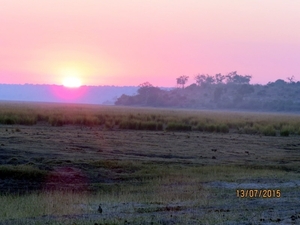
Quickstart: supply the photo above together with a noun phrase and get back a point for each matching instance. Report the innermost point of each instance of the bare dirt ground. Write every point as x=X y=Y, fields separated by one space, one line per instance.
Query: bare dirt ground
x=47 y=147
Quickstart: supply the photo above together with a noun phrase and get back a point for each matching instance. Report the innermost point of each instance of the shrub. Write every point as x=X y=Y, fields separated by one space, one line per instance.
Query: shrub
x=178 y=127
x=27 y=121
x=9 y=121
x=148 y=126
x=117 y=121
x=108 y=125
x=222 y=128
x=132 y=125
x=210 y=128
x=90 y=121
x=123 y=125
x=58 y=122
x=127 y=124
x=250 y=130
x=200 y=127
x=269 y=131
x=284 y=133
x=40 y=117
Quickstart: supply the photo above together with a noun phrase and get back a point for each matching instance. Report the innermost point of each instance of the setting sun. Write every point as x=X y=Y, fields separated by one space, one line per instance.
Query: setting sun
x=71 y=82
x=71 y=77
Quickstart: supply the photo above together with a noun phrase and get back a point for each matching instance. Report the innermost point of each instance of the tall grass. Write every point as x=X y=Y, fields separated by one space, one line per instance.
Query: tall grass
x=113 y=117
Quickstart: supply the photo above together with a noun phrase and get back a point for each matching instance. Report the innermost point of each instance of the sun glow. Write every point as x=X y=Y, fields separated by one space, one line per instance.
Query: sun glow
x=71 y=82
x=71 y=78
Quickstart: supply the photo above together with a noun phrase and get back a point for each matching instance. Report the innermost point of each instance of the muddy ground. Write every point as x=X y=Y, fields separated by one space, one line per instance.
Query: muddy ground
x=70 y=147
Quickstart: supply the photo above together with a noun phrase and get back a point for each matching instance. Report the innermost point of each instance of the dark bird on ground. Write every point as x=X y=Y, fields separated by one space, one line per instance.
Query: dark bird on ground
x=99 y=209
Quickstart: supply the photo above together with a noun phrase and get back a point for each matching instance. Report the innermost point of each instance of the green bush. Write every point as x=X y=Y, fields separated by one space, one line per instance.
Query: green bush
x=123 y=124
x=57 y=122
x=284 y=132
x=127 y=124
x=147 y=126
x=132 y=125
x=210 y=128
x=109 y=125
x=90 y=121
x=268 y=131
x=250 y=130
x=40 y=117
x=178 y=127
x=9 y=121
x=200 y=127
x=222 y=128
x=27 y=121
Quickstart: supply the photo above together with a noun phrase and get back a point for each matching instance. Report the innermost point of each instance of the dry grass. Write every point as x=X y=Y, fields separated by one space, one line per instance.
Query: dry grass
x=113 y=117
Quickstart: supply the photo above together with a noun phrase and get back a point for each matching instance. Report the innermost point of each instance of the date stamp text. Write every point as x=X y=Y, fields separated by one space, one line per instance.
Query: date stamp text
x=258 y=193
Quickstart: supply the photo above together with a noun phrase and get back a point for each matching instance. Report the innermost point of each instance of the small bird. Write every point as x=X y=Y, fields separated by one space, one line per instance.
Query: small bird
x=99 y=209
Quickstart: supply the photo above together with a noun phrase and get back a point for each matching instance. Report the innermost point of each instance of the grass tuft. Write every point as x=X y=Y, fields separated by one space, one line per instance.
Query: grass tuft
x=178 y=127
x=268 y=131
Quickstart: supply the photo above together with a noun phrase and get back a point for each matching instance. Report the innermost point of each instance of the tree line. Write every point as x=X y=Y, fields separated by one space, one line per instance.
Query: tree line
x=219 y=91
x=206 y=79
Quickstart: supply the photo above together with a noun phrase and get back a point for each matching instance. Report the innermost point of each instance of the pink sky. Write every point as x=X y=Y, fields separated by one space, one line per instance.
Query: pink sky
x=120 y=42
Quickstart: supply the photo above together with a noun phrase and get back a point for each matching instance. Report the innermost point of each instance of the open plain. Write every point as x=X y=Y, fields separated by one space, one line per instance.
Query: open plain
x=60 y=172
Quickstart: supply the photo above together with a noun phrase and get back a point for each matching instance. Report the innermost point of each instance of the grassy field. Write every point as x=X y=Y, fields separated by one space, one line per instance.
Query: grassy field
x=145 y=166
x=112 y=117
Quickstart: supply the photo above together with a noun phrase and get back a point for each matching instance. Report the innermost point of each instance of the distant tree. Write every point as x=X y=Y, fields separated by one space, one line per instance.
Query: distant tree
x=148 y=94
x=218 y=94
x=204 y=79
x=125 y=100
x=144 y=87
x=192 y=87
x=279 y=82
x=144 y=91
x=233 y=77
x=182 y=80
x=210 y=79
x=245 y=89
x=200 y=79
x=291 y=79
x=219 y=78
x=145 y=84
x=229 y=77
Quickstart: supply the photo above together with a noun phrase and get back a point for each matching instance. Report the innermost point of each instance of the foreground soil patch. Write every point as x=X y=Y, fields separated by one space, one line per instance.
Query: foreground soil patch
x=91 y=159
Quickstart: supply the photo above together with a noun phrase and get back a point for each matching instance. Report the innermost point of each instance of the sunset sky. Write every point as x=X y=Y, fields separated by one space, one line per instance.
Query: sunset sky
x=120 y=42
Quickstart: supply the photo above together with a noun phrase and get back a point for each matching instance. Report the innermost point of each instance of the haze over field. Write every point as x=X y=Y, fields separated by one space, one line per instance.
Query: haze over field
x=106 y=95
x=126 y=43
